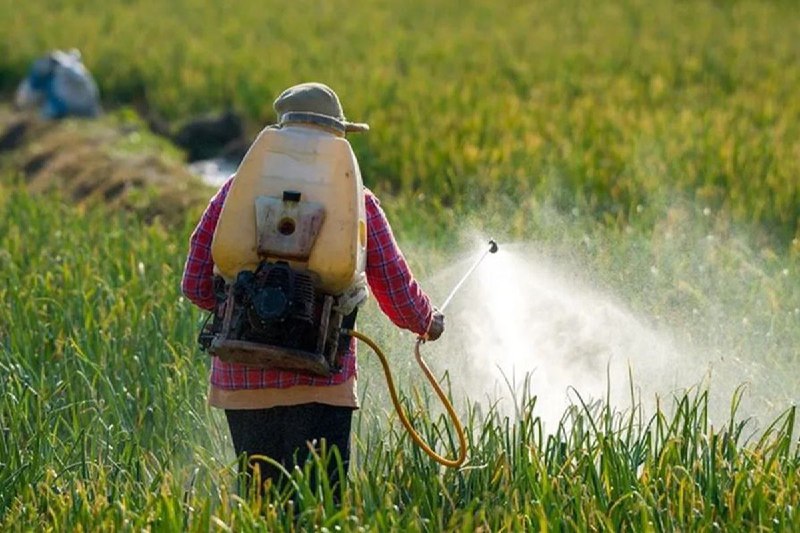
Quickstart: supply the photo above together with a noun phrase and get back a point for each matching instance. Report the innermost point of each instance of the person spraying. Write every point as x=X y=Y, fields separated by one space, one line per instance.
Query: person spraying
x=284 y=255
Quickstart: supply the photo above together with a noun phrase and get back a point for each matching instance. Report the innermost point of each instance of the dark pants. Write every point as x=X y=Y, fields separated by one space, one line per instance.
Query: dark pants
x=284 y=433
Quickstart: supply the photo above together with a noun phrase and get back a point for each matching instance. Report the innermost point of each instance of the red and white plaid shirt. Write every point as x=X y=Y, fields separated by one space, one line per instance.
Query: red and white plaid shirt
x=397 y=292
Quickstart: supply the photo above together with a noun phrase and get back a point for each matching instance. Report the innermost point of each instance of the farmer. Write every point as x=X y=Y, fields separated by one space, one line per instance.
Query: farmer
x=59 y=85
x=279 y=413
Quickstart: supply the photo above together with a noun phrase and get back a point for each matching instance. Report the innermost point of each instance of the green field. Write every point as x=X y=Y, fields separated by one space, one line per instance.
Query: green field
x=603 y=106
x=648 y=152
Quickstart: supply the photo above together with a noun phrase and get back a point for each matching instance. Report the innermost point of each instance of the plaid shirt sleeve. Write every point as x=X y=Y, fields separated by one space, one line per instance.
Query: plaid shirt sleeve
x=397 y=292
x=197 y=283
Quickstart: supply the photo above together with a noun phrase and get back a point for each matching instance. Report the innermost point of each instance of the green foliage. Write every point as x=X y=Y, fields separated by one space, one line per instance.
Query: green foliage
x=104 y=425
x=604 y=106
x=669 y=123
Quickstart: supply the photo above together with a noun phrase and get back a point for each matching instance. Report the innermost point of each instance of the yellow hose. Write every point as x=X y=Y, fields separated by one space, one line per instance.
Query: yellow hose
x=462 y=441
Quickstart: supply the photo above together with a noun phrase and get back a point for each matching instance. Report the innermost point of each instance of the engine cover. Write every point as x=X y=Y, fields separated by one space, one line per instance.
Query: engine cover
x=276 y=306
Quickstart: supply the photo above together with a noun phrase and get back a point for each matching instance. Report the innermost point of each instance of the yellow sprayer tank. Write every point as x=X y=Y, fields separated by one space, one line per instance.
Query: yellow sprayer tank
x=322 y=168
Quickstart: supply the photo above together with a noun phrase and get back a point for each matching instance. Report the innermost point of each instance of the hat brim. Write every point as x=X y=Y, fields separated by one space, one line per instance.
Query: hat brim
x=356 y=127
x=325 y=121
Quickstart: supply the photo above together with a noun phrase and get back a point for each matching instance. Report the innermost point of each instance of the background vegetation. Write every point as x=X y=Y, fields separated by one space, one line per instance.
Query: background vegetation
x=600 y=106
x=655 y=145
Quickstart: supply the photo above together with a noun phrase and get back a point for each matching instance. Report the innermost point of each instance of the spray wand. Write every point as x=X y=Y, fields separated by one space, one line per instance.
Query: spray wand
x=492 y=249
x=415 y=436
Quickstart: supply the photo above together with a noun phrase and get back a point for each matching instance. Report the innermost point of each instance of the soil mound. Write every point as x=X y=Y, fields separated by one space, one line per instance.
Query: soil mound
x=114 y=160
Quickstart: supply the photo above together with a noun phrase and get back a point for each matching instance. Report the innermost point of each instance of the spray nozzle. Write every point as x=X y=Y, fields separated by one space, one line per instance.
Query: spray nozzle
x=492 y=246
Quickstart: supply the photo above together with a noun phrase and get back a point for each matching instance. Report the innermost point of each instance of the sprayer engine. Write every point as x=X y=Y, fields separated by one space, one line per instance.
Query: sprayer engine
x=276 y=306
x=276 y=317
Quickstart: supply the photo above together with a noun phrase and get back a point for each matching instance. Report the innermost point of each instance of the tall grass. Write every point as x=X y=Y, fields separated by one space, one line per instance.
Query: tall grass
x=104 y=426
x=602 y=106
x=653 y=132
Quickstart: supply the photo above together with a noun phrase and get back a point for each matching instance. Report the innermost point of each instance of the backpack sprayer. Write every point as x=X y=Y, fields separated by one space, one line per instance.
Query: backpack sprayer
x=289 y=254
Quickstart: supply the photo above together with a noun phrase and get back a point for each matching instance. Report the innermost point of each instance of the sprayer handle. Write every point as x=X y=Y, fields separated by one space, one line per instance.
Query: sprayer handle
x=435 y=328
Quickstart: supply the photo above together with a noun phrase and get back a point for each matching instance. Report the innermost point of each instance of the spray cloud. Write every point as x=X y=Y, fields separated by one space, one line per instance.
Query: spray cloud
x=523 y=320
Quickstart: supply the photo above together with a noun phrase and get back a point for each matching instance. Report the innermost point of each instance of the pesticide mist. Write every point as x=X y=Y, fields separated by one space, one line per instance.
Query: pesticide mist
x=524 y=324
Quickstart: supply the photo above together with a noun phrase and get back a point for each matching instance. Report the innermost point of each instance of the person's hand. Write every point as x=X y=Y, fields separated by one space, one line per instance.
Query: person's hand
x=436 y=327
